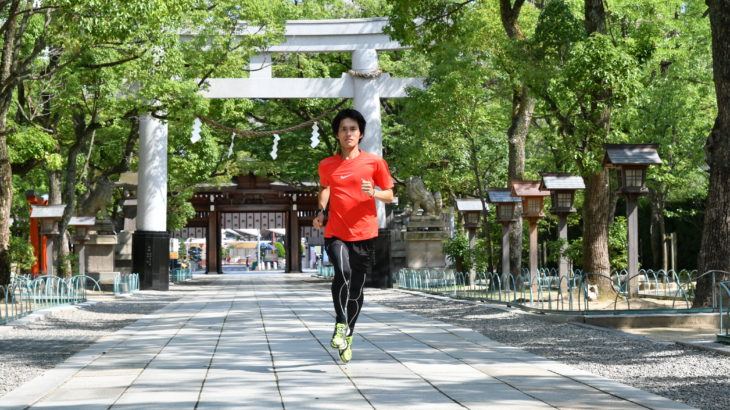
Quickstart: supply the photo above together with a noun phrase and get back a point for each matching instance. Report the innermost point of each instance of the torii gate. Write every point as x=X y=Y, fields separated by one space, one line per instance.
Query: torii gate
x=365 y=84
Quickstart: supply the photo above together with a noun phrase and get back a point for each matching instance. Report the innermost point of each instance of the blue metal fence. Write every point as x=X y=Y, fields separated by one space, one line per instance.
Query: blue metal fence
x=126 y=283
x=180 y=274
x=327 y=271
x=724 y=302
x=25 y=294
x=546 y=291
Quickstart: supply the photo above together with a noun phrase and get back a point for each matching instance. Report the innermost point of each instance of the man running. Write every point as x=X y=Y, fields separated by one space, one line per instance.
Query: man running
x=348 y=180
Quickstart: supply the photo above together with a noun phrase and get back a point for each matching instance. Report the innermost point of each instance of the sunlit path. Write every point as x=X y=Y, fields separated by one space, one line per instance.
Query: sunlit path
x=261 y=340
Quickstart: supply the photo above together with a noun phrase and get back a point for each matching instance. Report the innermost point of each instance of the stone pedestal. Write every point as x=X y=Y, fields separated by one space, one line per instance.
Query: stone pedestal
x=151 y=259
x=123 y=252
x=398 y=257
x=424 y=242
x=381 y=276
x=99 y=257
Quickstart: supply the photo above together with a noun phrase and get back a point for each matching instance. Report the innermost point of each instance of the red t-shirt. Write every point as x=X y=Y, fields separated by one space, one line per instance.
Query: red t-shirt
x=352 y=215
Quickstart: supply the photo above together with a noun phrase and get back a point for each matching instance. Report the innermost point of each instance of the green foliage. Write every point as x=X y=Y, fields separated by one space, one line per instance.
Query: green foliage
x=480 y=256
x=557 y=30
x=554 y=247
x=179 y=210
x=280 y=250
x=618 y=243
x=457 y=249
x=617 y=246
x=21 y=253
x=452 y=133
x=71 y=261
x=28 y=143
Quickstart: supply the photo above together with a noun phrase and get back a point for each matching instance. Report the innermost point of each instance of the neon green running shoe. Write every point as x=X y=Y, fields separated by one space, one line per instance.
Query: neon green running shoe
x=339 y=341
x=346 y=353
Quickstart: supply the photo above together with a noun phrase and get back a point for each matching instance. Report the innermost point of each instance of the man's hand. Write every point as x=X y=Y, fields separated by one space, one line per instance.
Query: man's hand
x=367 y=187
x=318 y=220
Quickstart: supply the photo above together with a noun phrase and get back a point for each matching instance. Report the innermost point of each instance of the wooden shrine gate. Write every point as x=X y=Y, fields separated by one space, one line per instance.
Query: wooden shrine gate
x=246 y=198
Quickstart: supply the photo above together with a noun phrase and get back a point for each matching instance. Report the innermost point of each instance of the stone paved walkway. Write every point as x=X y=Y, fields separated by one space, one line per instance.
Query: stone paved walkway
x=261 y=340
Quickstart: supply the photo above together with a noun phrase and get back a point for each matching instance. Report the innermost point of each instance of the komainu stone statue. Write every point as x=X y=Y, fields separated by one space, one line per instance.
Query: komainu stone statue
x=98 y=198
x=422 y=198
x=425 y=234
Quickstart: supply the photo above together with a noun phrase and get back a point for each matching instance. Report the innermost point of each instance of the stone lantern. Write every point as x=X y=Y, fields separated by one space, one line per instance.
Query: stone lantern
x=631 y=162
x=48 y=215
x=562 y=189
x=82 y=225
x=505 y=204
x=532 y=202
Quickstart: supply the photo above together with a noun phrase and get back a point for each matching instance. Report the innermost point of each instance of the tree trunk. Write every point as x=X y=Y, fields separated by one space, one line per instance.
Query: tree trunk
x=597 y=206
x=6 y=196
x=612 y=197
x=84 y=134
x=523 y=106
x=595 y=16
x=482 y=196
x=715 y=247
x=658 y=229
x=55 y=197
x=6 y=171
x=595 y=231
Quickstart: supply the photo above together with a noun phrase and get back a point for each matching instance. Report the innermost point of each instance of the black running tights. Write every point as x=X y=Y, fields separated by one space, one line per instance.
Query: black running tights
x=352 y=262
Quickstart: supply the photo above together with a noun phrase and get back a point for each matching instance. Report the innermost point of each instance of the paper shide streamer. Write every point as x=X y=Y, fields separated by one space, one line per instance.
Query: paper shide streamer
x=275 y=147
x=195 y=137
x=315 y=135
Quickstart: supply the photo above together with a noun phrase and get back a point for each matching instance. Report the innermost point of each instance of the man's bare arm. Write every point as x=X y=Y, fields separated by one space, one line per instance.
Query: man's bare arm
x=385 y=195
x=322 y=200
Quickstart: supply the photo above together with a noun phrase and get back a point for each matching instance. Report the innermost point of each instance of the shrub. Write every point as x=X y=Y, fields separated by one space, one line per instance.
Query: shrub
x=457 y=249
x=280 y=250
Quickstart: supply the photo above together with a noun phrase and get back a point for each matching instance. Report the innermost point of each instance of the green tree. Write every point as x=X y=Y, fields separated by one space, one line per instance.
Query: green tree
x=584 y=75
x=715 y=251
x=675 y=110
x=41 y=39
x=89 y=108
x=470 y=28
x=280 y=250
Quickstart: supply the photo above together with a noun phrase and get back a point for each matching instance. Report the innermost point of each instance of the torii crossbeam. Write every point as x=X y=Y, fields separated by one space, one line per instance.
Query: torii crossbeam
x=361 y=37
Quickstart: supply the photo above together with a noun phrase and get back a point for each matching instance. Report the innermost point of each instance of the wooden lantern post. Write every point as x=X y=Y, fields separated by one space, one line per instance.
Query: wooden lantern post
x=532 y=203
x=471 y=208
x=562 y=189
x=505 y=203
x=631 y=162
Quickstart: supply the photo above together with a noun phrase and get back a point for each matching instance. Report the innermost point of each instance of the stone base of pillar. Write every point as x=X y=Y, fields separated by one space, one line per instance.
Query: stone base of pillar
x=150 y=258
x=381 y=276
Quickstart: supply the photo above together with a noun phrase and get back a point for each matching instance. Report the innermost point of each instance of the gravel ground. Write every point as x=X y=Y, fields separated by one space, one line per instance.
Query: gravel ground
x=698 y=378
x=29 y=350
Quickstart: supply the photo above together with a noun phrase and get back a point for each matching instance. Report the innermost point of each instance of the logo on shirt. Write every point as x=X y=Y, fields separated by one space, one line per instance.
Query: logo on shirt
x=344 y=176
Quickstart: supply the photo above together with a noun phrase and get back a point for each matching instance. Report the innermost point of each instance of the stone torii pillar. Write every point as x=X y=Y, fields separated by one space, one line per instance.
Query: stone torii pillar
x=366 y=99
x=151 y=241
